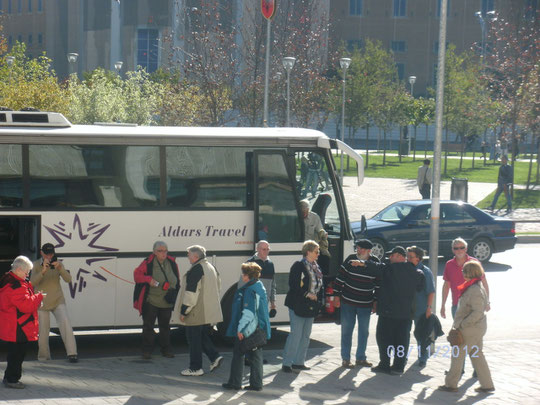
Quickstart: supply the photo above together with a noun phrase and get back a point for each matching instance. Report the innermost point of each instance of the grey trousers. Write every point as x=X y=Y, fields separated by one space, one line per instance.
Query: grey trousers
x=66 y=331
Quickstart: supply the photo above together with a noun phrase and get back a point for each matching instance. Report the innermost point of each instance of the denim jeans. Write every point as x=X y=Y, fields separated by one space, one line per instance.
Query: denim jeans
x=499 y=191
x=199 y=342
x=349 y=314
x=298 y=340
x=237 y=367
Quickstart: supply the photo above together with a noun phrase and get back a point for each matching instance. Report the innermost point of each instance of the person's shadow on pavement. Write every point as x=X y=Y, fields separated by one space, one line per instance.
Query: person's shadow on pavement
x=340 y=379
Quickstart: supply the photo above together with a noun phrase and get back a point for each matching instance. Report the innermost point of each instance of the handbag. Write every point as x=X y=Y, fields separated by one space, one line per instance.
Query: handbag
x=172 y=293
x=306 y=308
x=455 y=337
x=257 y=339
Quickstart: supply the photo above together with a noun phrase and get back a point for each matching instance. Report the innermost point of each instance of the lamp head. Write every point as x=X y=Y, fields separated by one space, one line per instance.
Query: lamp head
x=345 y=63
x=10 y=60
x=72 y=57
x=288 y=63
x=478 y=15
x=412 y=79
x=118 y=65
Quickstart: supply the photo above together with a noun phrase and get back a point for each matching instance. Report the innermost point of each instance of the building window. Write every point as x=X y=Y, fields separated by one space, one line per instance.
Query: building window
x=40 y=39
x=439 y=5
x=400 y=8
x=29 y=6
x=353 y=44
x=355 y=7
x=10 y=41
x=434 y=75
x=30 y=39
x=147 y=49
x=487 y=5
x=398 y=46
x=19 y=6
x=530 y=9
x=400 y=70
x=19 y=38
x=9 y=10
x=436 y=46
x=40 y=5
x=1 y=7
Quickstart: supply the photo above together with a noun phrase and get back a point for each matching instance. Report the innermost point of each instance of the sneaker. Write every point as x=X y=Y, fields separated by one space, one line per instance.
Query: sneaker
x=300 y=367
x=216 y=363
x=287 y=369
x=190 y=372
x=251 y=388
x=17 y=385
x=446 y=388
x=363 y=363
x=480 y=389
x=347 y=364
x=73 y=358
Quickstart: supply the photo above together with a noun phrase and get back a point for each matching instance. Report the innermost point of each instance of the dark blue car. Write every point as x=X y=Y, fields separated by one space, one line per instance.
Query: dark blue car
x=406 y=223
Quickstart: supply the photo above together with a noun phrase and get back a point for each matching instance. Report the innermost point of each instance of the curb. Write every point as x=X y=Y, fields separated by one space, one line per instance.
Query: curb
x=528 y=239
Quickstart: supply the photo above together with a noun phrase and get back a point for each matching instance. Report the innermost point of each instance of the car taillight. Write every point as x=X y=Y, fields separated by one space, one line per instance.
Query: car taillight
x=513 y=230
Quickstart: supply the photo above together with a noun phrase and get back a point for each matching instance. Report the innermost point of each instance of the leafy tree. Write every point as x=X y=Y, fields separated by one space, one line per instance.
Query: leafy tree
x=420 y=111
x=30 y=82
x=104 y=97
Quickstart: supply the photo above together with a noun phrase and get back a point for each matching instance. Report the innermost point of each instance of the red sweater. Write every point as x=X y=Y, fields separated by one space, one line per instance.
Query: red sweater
x=18 y=309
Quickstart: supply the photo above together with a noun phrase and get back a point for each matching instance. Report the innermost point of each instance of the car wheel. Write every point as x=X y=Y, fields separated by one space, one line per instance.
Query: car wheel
x=482 y=249
x=378 y=249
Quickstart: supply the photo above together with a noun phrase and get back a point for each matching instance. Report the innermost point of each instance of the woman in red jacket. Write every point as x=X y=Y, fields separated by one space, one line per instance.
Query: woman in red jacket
x=18 y=317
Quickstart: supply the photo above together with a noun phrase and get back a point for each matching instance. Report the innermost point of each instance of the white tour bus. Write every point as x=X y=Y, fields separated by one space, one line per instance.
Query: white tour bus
x=103 y=194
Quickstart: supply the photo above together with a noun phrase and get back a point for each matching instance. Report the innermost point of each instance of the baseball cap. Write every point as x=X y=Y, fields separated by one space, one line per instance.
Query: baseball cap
x=397 y=249
x=47 y=248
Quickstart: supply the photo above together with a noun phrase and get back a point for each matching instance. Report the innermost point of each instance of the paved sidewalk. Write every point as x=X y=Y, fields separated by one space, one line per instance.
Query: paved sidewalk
x=129 y=380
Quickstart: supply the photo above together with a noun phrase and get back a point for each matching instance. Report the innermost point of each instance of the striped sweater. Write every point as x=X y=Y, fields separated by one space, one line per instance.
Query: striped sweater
x=355 y=288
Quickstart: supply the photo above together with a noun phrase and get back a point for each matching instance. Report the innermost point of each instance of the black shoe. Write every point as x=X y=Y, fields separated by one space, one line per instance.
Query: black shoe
x=251 y=388
x=474 y=375
x=300 y=367
x=168 y=355
x=287 y=369
x=396 y=370
x=265 y=361
x=146 y=356
x=247 y=363
x=73 y=358
x=17 y=385
x=228 y=386
x=381 y=369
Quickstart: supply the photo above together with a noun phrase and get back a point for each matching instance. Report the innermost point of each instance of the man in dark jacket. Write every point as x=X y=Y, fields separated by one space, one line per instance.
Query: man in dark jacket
x=504 y=182
x=399 y=282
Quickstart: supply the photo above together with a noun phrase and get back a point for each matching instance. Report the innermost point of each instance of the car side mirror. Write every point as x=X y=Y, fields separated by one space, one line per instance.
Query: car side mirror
x=363 y=224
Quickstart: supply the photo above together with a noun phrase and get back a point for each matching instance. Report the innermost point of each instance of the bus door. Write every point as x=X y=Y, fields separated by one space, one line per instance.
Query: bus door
x=277 y=217
x=18 y=236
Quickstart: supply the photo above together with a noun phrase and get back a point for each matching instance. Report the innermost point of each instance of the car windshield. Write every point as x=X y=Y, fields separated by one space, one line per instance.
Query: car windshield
x=394 y=213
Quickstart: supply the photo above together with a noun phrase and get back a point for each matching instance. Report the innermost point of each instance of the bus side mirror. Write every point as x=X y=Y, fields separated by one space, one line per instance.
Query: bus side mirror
x=363 y=224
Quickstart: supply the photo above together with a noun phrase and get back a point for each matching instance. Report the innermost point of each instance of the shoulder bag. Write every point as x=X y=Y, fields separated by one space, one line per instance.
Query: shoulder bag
x=172 y=293
x=258 y=338
x=455 y=337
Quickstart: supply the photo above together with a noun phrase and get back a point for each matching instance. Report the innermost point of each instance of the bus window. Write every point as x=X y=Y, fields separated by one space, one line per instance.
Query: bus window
x=206 y=177
x=11 y=189
x=278 y=215
x=314 y=184
x=94 y=176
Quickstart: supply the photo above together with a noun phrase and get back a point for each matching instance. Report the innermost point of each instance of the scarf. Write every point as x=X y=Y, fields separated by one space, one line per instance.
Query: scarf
x=463 y=287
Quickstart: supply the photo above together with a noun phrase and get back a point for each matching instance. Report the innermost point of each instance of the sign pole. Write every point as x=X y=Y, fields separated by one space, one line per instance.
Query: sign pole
x=268 y=9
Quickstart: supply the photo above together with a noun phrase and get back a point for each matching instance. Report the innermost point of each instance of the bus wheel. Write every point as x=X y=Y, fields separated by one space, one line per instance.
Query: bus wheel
x=226 y=310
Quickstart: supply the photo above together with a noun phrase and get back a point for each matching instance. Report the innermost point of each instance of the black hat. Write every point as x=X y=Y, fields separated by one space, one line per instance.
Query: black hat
x=47 y=248
x=364 y=244
x=397 y=249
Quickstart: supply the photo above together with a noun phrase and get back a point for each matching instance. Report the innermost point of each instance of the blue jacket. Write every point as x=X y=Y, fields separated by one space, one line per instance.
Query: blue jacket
x=243 y=318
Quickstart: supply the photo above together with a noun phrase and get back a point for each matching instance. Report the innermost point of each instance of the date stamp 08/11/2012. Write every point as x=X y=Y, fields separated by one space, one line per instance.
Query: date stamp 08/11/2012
x=445 y=351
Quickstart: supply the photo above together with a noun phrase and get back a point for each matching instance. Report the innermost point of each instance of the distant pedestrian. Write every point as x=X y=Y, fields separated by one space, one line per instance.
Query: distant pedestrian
x=200 y=309
x=157 y=283
x=504 y=183
x=18 y=317
x=423 y=179
x=304 y=302
x=355 y=297
x=471 y=321
x=249 y=311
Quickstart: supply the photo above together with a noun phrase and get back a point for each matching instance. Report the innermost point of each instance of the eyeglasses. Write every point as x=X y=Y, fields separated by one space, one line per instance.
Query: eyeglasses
x=458 y=247
x=161 y=250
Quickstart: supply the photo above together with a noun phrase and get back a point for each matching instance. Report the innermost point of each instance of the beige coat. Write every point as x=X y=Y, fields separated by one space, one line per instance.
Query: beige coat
x=50 y=284
x=204 y=304
x=471 y=309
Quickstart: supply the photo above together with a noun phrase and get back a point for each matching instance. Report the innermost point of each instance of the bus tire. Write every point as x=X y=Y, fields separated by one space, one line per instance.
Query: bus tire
x=226 y=310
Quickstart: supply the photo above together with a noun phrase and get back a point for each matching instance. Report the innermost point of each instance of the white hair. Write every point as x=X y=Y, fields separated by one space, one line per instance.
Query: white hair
x=158 y=244
x=199 y=250
x=23 y=263
x=459 y=240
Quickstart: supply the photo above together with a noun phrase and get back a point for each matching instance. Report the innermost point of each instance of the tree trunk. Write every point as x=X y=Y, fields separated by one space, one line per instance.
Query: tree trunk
x=446 y=151
x=425 y=144
x=461 y=152
x=473 y=155
x=537 y=161
x=400 y=141
x=414 y=148
x=367 y=146
x=384 y=148
x=530 y=169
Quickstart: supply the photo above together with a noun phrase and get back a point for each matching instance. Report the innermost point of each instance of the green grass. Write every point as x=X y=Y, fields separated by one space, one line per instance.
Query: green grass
x=522 y=199
x=408 y=169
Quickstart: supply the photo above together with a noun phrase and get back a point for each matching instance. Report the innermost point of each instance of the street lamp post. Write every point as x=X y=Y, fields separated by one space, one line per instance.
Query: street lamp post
x=118 y=66
x=10 y=60
x=412 y=80
x=72 y=59
x=344 y=63
x=288 y=64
